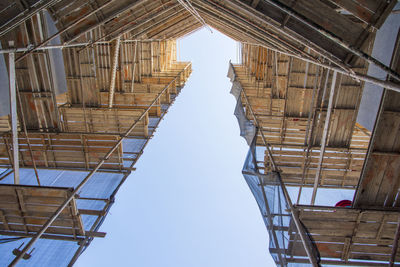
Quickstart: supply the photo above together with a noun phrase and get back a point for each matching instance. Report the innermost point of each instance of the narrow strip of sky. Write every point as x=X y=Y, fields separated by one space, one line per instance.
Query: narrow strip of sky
x=188 y=204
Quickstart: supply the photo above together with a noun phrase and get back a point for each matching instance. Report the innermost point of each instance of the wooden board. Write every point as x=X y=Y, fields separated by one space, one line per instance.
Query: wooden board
x=380 y=180
x=103 y=120
x=349 y=235
x=63 y=150
x=25 y=209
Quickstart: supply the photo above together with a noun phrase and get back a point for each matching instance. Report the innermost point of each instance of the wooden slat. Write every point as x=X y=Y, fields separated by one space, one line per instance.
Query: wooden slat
x=27 y=208
x=65 y=150
x=349 y=234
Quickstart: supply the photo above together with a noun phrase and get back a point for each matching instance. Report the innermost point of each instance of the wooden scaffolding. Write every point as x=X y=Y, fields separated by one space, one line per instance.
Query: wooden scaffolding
x=117 y=93
x=305 y=116
x=304 y=64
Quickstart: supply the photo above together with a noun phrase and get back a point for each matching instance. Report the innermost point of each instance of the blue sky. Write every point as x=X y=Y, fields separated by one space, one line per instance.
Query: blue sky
x=188 y=204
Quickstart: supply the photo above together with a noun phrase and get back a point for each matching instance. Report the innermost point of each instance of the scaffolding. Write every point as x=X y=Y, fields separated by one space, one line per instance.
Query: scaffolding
x=65 y=159
x=89 y=82
x=308 y=140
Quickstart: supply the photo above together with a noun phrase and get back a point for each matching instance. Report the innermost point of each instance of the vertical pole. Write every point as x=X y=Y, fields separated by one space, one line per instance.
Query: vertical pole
x=299 y=226
x=14 y=118
x=133 y=68
x=324 y=138
x=114 y=72
x=395 y=244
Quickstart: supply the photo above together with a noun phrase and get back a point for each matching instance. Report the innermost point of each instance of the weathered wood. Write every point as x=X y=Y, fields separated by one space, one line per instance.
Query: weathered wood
x=25 y=209
x=65 y=150
x=380 y=183
x=349 y=234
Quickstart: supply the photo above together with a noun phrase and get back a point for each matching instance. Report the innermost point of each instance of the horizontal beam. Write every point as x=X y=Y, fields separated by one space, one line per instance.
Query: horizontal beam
x=122 y=170
x=55 y=237
x=44 y=236
x=91 y=212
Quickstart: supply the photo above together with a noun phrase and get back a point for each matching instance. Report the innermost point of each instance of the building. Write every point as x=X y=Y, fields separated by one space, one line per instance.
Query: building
x=89 y=82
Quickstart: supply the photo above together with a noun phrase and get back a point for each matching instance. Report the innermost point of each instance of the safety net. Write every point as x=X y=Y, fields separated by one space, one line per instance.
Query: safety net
x=247 y=128
x=267 y=188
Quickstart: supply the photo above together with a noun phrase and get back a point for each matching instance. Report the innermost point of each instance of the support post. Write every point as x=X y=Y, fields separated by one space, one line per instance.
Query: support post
x=324 y=137
x=395 y=244
x=299 y=225
x=270 y=220
x=114 y=72
x=13 y=113
x=134 y=67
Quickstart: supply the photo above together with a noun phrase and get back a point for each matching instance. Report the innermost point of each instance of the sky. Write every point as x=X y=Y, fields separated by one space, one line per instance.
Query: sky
x=187 y=203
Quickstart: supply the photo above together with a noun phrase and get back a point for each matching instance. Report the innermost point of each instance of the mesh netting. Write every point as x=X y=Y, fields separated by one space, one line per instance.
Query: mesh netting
x=268 y=192
x=56 y=252
x=247 y=128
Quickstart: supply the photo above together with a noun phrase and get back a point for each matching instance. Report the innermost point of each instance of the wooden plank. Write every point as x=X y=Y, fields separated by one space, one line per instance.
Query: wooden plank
x=379 y=169
x=64 y=150
x=4 y=221
x=349 y=234
x=28 y=208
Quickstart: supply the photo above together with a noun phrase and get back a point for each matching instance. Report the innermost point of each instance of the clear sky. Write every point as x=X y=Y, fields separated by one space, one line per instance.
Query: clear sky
x=188 y=204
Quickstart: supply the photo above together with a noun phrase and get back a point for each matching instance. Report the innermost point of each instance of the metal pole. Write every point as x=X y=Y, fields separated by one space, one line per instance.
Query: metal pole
x=324 y=138
x=27 y=14
x=27 y=139
x=134 y=67
x=270 y=220
x=395 y=244
x=298 y=224
x=48 y=47
x=14 y=117
x=84 y=181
